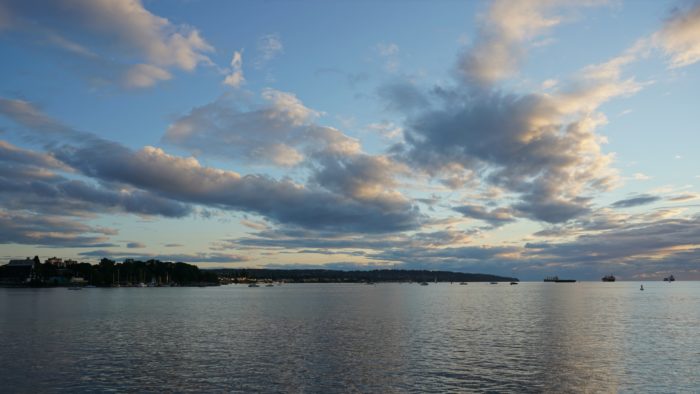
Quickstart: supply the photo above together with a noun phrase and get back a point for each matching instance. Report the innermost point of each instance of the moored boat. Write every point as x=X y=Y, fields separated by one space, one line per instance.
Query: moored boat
x=608 y=278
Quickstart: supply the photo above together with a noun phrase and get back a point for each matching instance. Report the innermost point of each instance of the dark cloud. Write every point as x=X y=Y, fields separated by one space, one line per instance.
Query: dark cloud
x=135 y=245
x=292 y=239
x=29 y=180
x=629 y=248
x=495 y=217
x=403 y=97
x=284 y=201
x=542 y=147
x=185 y=258
x=157 y=177
x=32 y=229
x=635 y=201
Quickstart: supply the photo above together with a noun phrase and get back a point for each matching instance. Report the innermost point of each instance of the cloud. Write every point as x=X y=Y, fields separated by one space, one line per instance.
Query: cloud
x=145 y=75
x=541 y=147
x=18 y=156
x=389 y=52
x=185 y=180
x=638 y=176
x=495 y=217
x=186 y=258
x=135 y=245
x=115 y=31
x=387 y=130
x=293 y=240
x=635 y=201
x=173 y=183
x=360 y=176
x=32 y=180
x=646 y=246
x=235 y=78
x=679 y=38
x=235 y=130
x=684 y=197
x=27 y=115
x=402 y=96
x=23 y=227
x=269 y=47
x=498 y=49
x=549 y=84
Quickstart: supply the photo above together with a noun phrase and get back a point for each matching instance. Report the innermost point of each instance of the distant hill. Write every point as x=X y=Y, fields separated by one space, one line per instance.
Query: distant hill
x=334 y=276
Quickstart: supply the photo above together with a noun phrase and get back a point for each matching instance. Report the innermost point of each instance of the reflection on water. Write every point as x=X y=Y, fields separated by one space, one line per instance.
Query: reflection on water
x=334 y=337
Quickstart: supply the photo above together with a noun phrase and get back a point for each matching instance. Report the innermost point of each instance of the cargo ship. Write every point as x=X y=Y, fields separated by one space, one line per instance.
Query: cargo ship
x=557 y=280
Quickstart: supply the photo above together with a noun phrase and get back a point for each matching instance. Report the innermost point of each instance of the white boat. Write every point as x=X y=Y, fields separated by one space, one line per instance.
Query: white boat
x=253 y=285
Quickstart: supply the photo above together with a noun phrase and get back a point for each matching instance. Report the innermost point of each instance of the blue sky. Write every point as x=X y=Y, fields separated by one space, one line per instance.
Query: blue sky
x=529 y=139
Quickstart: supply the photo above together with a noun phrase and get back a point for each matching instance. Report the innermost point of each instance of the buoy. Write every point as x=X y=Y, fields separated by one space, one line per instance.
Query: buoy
x=641 y=287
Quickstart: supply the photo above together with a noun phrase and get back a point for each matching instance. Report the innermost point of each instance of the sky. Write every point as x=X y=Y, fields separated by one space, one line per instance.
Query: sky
x=525 y=139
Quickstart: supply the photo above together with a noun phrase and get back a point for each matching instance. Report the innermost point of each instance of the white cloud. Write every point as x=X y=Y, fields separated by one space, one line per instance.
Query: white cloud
x=145 y=75
x=549 y=84
x=498 y=49
x=390 y=53
x=388 y=130
x=120 y=33
x=269 y=47
x=235 y=78
x=680 y=37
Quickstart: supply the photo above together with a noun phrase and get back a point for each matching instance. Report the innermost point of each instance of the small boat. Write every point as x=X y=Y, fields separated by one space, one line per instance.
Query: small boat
x=423 y=283
x=608 y=278
x=463 y=283
x=513 y=283
x=253 y=285
x=369 y=283
x=493 y=283
x=269 y=285
x=669 y=278
x=641 y=287
x=75 y=288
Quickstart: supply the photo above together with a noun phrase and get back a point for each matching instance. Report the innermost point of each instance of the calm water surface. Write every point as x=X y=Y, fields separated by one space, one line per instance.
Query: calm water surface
x=593 y=337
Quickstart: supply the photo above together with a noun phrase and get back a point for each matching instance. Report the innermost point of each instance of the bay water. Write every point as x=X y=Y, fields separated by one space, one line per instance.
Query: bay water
x=530 y=337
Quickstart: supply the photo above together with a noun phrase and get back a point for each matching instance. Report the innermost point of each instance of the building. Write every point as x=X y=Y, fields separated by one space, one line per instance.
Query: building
x=18 y=272
x=55 y=261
